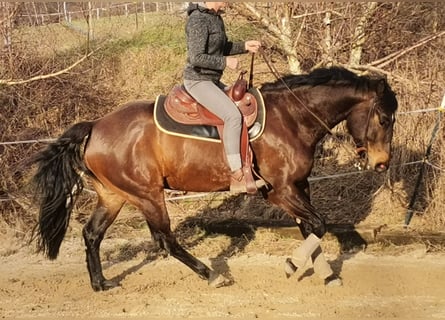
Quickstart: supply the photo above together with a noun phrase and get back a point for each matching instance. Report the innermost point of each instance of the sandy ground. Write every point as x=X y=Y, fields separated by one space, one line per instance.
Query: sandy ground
x=392 y=282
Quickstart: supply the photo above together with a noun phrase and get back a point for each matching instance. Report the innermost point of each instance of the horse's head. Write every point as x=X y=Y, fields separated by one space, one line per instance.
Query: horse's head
x=371 y=125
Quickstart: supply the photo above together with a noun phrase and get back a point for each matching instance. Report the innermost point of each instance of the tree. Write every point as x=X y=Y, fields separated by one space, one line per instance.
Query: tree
x=360 y=32
x=351 y=34
x=8 y=12
x=278 y=19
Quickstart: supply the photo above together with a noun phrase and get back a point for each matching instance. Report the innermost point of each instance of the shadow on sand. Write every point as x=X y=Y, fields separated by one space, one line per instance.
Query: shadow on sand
x=345 y=201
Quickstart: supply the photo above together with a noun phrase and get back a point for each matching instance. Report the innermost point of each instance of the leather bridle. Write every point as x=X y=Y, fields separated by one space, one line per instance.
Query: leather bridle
x=360 y=150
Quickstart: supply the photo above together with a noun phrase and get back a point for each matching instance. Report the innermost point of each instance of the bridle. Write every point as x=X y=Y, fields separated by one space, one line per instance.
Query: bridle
x=372 y=111
x=360 y=149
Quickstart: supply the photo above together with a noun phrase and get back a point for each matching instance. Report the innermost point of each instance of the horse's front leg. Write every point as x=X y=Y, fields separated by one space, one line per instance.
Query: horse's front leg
x=295 y=201
x=323 y=269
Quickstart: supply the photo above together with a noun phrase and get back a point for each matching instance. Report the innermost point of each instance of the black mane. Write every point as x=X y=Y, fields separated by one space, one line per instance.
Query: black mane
x=320 y=76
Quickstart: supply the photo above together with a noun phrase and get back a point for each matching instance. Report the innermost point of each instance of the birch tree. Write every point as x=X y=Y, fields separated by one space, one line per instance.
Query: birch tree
x=279 y=20
x=360 y=34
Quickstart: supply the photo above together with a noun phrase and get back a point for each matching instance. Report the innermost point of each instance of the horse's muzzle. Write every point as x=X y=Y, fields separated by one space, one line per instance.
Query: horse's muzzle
x=365 y=162
x=381 y=167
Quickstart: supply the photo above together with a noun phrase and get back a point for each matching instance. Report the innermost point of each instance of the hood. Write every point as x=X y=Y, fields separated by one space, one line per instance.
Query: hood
x=198 y=6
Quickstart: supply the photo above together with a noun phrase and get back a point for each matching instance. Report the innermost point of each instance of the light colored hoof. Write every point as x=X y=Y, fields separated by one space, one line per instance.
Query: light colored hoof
x=333 y=282
x=217 y=280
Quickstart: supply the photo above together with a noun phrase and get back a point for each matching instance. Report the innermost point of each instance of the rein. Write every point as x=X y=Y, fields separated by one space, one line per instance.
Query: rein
x=251 y=71
x=279 y=78
x=277 y=75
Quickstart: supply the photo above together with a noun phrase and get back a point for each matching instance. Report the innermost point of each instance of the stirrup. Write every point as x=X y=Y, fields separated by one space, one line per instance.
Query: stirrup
x=238 y=183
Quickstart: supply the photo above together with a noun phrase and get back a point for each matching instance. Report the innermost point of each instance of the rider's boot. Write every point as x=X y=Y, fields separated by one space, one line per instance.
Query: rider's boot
x=240 y=183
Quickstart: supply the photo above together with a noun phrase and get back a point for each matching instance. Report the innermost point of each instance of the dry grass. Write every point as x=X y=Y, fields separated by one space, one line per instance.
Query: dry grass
x=421 y=89
x=142 y=63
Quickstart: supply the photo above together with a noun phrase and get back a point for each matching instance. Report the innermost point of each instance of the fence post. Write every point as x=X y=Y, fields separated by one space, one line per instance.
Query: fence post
x=136 y=16
x=143 y=11
x=65 y=12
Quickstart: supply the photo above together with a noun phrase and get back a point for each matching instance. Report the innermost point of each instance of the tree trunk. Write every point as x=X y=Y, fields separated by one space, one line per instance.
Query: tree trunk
x=136 y=16
x=327 y=43
x=8 y=11
x=281 y=29
x=90 y=35
x=359 y=39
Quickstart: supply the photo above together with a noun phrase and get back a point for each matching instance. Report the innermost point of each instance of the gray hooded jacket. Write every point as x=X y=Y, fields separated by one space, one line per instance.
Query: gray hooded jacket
x=207 y=44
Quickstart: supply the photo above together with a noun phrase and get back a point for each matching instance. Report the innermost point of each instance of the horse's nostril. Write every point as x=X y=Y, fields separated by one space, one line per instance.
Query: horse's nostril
x=381 y=167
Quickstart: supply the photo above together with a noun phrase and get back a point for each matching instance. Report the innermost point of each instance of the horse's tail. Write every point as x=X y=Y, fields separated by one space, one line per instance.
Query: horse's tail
x=58 y=183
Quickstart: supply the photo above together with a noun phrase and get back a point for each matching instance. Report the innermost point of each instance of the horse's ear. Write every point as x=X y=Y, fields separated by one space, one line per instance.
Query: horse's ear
x=381 y=85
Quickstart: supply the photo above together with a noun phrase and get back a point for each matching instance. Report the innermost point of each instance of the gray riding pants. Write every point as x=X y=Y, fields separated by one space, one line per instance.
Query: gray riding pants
x=216 y=101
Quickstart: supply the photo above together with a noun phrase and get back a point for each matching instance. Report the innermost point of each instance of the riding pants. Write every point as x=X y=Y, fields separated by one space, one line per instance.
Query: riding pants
x=216 y=101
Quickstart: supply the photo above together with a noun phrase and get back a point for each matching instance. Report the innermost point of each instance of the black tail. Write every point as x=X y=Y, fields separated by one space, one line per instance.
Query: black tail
x=58 y=183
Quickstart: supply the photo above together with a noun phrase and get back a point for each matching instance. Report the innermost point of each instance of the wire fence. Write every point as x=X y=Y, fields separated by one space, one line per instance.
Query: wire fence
x=423 y=161
x=42 y=13
x=46 y=140
x=35 y=14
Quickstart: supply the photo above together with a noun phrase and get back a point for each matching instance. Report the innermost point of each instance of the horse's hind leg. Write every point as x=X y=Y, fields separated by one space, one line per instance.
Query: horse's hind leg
x=159 y=224
x=108 y=207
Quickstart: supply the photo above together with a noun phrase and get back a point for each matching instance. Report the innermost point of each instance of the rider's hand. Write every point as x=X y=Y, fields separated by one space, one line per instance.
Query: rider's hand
x=252 y=46
x=232 y=63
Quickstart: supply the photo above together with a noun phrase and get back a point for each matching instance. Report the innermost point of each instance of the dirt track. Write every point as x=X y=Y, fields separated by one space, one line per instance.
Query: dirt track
x=402 y=282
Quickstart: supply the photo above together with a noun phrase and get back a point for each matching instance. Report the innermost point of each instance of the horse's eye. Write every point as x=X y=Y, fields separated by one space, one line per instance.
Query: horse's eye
x=384 y=120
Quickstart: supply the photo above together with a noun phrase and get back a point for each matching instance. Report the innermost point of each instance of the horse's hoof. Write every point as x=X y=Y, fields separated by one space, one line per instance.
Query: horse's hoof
x=333 y=281
x=104 y=285
x=108 y=284
x=218 y=280
x=289 y=268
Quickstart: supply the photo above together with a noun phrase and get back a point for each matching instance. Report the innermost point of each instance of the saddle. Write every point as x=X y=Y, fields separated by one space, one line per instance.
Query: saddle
x=183 y=108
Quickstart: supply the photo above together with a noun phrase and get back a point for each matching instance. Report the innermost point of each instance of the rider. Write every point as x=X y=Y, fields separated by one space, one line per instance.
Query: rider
x=209 y=53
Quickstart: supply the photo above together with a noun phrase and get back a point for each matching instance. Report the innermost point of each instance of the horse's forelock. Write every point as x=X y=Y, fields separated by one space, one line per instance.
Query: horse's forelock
x=386 y=96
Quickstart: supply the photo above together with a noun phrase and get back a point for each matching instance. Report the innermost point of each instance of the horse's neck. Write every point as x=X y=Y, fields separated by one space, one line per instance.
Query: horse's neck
x=320 y=109
x=333 y=105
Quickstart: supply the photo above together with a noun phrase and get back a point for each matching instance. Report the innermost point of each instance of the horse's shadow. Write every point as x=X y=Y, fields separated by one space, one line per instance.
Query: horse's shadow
x=241 y=228
x=345 y=202
x=242 y=215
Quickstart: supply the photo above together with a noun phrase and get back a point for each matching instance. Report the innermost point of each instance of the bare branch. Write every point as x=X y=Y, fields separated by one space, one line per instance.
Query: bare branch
x=47 y=76
x=266 y=22
x=366 y=68
x=22 y=201
x=9 y=11
x=395 y=55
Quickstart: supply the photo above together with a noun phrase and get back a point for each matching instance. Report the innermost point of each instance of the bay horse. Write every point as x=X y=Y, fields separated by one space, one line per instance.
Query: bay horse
x=128 y=159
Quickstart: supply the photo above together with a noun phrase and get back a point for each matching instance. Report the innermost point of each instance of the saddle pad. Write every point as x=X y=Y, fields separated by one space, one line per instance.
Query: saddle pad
x=204 y=132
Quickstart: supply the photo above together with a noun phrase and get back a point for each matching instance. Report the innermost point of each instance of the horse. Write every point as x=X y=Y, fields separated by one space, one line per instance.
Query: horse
x=128 y=159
